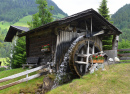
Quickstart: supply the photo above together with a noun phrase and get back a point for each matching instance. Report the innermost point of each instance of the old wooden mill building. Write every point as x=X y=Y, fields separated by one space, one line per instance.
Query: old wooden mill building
x=75 y=37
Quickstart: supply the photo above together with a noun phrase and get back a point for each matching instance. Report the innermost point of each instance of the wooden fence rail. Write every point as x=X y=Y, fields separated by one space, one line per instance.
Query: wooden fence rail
x=124 y=56
x=21 y=74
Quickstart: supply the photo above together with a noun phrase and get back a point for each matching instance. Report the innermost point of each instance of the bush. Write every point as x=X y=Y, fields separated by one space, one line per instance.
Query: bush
x=2 y=68
x=19 y=53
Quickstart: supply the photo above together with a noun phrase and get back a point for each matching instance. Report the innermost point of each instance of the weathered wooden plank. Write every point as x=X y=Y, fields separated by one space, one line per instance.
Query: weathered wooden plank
x=123 y=50
x=124 y=58
x=20 y=81
x=125 y=54
x=21 y=74
x=80 y=62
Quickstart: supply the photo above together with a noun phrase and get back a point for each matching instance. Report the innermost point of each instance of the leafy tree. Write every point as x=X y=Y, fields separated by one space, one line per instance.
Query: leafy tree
x=18 y=53
x=124 y=44
x=44 y=15
x=104 y=11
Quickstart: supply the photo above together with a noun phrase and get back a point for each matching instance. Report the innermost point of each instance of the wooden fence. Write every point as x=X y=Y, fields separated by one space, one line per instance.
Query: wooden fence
x=124 y=56
x=21 y=74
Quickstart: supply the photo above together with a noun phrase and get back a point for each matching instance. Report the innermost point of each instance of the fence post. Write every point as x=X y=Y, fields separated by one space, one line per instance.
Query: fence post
x=27 y=76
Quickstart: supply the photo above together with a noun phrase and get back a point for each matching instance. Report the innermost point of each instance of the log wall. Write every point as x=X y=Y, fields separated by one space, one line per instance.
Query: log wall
x=37 y=39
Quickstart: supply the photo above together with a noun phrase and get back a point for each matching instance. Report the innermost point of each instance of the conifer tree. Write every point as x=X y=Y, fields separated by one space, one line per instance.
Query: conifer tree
x=103 y=10
x=44 y=15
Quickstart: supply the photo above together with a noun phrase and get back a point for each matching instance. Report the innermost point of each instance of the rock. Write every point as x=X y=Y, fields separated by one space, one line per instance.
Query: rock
x=47 y=84
x=117 y=59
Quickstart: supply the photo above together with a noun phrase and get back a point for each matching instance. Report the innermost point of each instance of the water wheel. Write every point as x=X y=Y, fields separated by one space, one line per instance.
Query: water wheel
x=80 y=56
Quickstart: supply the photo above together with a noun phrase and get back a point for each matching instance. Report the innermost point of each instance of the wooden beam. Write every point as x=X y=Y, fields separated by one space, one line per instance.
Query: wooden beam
x=124 y=58
x=125 y=54
x=123 y=50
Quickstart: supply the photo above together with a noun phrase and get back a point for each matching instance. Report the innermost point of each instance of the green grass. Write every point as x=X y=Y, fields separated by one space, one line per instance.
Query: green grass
x=4 y=25
x=125 y=61
x=59 y=16
x=23 y=21
x=3 y=60
x=30 y=86
x=115 y=80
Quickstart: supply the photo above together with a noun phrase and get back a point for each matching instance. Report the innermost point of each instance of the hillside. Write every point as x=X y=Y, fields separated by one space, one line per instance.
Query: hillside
x=13 y=10
x=18 y=12
x=122 y=20
x=115 y=80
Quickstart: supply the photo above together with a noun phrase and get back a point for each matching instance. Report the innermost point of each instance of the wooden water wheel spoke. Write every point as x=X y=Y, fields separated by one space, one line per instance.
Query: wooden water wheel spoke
x=88 y=54
x=81 y=66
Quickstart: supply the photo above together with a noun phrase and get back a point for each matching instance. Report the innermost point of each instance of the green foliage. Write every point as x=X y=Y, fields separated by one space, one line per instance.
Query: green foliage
x=13 y=10
x=4 y=47
x=125 y=34
x=19 y=53
x=17 y=13
x=107 y=42
x=122 y=17
x=124 y=44
x=44 y=15
x=2 y=69
x=103 y=10
x=122 y=20
x=107 y=47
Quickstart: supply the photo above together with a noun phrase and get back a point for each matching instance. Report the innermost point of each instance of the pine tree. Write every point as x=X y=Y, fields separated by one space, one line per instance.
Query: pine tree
x=103 y=10
x=44 y=15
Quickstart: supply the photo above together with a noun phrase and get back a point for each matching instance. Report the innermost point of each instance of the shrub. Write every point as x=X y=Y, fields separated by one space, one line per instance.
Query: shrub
x=2 y=68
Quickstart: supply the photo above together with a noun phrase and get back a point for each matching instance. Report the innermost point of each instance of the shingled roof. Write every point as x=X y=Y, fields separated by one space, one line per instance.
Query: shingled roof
x=12 y=32
x=89 y=12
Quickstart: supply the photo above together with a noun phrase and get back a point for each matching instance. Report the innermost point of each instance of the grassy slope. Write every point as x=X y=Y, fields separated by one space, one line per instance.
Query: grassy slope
x=4 y=25
x=115 y=80
x=30 y=86
x=23 y=21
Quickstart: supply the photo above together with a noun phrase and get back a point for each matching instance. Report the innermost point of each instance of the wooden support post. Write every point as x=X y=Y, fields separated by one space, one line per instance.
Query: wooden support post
x=91 y=25
x=115 y=42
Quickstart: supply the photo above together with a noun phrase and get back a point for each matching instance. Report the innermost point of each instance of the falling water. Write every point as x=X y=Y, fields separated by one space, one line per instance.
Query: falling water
x=63 y=67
